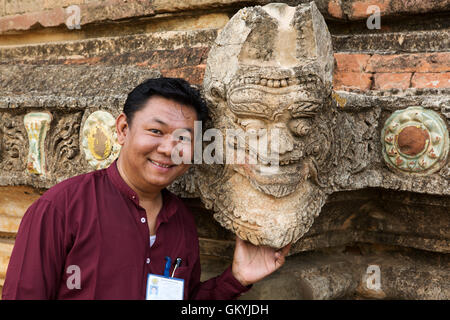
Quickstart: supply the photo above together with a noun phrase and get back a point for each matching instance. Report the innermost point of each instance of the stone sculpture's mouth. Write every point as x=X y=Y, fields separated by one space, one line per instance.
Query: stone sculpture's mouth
x=276 y=180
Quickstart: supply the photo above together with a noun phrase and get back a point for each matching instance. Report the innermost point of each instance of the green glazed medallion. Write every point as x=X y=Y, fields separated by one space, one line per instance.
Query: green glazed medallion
x=415 y=140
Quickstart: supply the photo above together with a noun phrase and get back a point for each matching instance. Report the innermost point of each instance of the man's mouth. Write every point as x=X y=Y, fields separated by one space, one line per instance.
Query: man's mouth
x=161 y=165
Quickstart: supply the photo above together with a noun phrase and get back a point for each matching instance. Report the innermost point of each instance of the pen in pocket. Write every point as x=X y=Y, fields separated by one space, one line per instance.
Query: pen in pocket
x=177 y=264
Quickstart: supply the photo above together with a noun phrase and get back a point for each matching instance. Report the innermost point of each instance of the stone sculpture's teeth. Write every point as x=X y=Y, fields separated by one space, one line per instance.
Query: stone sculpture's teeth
x=268 y=82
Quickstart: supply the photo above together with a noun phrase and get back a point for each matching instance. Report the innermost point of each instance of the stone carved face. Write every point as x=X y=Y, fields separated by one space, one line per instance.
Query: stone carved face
x=265 y=103
x=271 y=68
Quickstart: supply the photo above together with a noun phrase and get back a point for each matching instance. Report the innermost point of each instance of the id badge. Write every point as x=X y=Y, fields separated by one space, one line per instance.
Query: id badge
x=164 y=288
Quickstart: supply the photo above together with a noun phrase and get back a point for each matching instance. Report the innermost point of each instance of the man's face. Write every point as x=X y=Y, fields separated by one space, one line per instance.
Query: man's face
x=147 y=144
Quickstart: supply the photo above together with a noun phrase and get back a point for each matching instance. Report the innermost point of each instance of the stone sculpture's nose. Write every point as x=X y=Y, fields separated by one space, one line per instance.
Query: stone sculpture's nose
x=281 y=140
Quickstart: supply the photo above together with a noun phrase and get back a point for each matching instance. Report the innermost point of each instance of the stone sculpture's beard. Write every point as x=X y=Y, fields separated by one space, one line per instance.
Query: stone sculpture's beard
x=264 y=219
x=276 y=190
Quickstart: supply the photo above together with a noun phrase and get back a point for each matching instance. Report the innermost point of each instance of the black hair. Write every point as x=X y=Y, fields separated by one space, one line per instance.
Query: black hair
x=176 y=89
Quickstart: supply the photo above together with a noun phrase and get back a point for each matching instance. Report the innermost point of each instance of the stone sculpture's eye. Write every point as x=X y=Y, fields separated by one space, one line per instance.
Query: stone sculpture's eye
x=253 y=126
x=299 y=127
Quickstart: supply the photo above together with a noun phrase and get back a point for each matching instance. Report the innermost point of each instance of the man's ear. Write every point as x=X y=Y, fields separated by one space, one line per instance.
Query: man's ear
x=122 y=128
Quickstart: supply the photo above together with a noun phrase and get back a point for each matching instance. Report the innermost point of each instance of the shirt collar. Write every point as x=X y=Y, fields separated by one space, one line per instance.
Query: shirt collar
x=169 y=206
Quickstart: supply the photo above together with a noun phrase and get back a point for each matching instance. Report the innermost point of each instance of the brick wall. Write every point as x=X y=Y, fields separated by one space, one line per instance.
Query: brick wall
x=365 y=72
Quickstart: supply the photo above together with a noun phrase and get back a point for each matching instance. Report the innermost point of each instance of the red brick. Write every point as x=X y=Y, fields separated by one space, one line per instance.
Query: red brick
x=431 y=80
x=193 y=75
x=335 y=9
x=359 y=8
x=97 y=11
x=50 y=18
x=420 y=62
x=386 y=81
x=352 y=80
x=353 y=62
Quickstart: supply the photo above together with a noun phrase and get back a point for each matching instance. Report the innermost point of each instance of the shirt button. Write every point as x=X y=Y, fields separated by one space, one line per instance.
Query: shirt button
x=148 y=260
x=143 y=220
x=133 y=197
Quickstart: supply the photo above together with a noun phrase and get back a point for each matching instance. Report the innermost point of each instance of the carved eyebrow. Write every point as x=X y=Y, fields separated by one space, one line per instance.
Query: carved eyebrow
x=252 y=114
x=304 y=108
x=247 y=110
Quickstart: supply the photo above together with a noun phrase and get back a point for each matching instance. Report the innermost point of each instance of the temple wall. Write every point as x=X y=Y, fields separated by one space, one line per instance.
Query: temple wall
x=70 y=73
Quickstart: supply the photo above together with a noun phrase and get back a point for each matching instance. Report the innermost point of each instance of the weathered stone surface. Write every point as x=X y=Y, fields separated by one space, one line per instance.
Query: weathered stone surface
x=343 y=273
x=372 y=215
x=71 y=81
x=393 y=42
x=267 y=76
x=114 y=50
x=14 y=201
x=26 y=14
x=348 y=158
x=6 y=247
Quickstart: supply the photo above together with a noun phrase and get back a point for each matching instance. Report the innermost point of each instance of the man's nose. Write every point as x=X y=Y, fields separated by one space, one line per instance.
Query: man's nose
x=166 y=145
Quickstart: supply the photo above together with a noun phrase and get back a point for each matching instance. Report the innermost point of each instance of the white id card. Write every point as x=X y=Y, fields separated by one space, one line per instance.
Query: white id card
x=164 y=288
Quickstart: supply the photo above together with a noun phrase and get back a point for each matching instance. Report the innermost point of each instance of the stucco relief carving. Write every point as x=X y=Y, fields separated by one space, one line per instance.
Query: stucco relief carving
x=63 y=147
x=256 y=80
x=415 y=141
x=37 y=124
x=99 y=139
x=14 y=143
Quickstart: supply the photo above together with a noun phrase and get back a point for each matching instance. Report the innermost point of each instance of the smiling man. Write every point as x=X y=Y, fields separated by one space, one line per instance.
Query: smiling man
x=101 y=234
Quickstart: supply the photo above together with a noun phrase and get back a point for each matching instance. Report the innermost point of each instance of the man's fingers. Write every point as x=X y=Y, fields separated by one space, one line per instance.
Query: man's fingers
x=285 y=250
x=281 y=254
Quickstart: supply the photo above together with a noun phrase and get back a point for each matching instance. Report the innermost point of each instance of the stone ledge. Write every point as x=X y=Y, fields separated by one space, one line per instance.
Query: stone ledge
x=339 y=273
x=93 y=12
x=65 y=81
x=27 y=16
x=393 y=42
x=112 y=49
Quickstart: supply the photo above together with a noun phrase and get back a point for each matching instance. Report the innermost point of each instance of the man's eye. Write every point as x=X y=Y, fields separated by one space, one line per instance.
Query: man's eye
x=184 y=139
x=155 y=131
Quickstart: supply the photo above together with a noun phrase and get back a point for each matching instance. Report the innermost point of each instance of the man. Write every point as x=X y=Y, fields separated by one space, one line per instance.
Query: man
x=100 y=224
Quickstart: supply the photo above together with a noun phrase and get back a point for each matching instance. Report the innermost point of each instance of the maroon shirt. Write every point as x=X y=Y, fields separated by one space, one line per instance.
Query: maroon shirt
x=94 y=221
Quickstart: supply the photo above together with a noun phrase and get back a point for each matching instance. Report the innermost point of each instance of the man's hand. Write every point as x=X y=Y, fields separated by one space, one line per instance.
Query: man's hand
x=252 y=263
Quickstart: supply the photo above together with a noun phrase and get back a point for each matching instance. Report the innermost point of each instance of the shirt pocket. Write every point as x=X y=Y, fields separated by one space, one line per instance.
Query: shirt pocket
x=185 y=274
x=182 y=273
